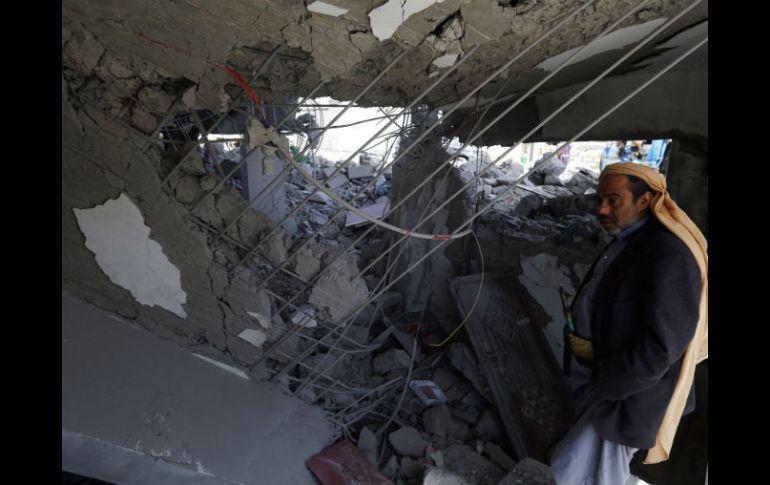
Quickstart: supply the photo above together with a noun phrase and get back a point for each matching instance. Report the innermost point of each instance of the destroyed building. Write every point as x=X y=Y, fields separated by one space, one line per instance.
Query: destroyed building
x=240 y=306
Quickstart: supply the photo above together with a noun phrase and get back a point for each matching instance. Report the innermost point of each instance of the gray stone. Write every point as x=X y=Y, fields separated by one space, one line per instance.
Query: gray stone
x=321 y=197
x=437 y=420
x=499 y=457
x=552 y=180
x=466 y=414
x=412 y=468
x=408 y=441
x=439 y=476
x=458 y=430
x=208 y=182
x=188 y=189
x=337 y=181
x=193 y=164
x=528 y=206
x=391 y=467
x=340 y=290
x=473 y=467
x=359 y=171
x=318 y=218
x=489 y=427
x=367 y=443
x=464 y=360
x=394 y=359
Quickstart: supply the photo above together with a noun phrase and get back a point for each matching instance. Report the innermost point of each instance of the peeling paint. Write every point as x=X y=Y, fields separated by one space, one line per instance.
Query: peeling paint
x=327 y=9
x=226 y=367
x=120 y=240
x=386 y=18
x=614 y=40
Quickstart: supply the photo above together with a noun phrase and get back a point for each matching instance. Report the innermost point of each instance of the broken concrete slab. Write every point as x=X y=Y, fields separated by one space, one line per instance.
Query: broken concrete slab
x=337 y=181
x=412 y=468
x=340 y=290
x=375 y=211
x=253 y=336
x=408 y=441
x=437 y=420
x=391 y=467
x=307 y=262
x=360 y=171
x=321 y=197
x=117 y=235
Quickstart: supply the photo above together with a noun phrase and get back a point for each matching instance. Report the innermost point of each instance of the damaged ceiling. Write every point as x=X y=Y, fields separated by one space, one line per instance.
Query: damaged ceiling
x=115 y=51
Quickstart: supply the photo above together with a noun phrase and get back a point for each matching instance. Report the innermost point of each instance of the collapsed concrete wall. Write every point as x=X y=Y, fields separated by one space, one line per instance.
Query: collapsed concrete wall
x=103 y=160
x=427 y=284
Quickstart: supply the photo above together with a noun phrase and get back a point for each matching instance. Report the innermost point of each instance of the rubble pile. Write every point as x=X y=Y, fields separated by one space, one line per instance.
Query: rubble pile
x=346 y=184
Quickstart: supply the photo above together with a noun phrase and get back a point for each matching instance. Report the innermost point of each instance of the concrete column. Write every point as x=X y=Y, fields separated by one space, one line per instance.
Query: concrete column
x=687 y=178
x=258 y=171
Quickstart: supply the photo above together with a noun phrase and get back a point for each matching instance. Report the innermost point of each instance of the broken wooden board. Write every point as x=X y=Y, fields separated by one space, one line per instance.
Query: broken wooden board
x=531 y=394
x=344 y=464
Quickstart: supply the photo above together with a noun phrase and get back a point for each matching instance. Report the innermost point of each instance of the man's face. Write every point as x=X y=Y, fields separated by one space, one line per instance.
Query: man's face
x=615 y=205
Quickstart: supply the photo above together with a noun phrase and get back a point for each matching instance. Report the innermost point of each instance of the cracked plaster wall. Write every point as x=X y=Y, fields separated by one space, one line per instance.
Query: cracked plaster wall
x=102 y=159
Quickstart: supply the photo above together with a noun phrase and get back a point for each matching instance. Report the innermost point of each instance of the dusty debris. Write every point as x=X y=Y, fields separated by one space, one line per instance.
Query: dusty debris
x=408 y=441
x=391 y=467
x=437 y=420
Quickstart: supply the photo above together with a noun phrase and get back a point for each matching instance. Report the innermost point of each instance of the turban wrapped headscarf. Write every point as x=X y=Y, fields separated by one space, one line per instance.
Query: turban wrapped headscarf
x=672 y=217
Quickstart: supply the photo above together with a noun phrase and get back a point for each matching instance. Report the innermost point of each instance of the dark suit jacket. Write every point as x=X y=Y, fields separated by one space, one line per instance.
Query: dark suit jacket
x=645 y=315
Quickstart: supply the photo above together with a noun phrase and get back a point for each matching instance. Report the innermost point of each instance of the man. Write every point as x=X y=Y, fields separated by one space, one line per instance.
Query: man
x=640 y=327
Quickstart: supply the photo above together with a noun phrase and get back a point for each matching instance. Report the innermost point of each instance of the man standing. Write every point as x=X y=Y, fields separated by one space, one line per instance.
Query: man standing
x=640 y=327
